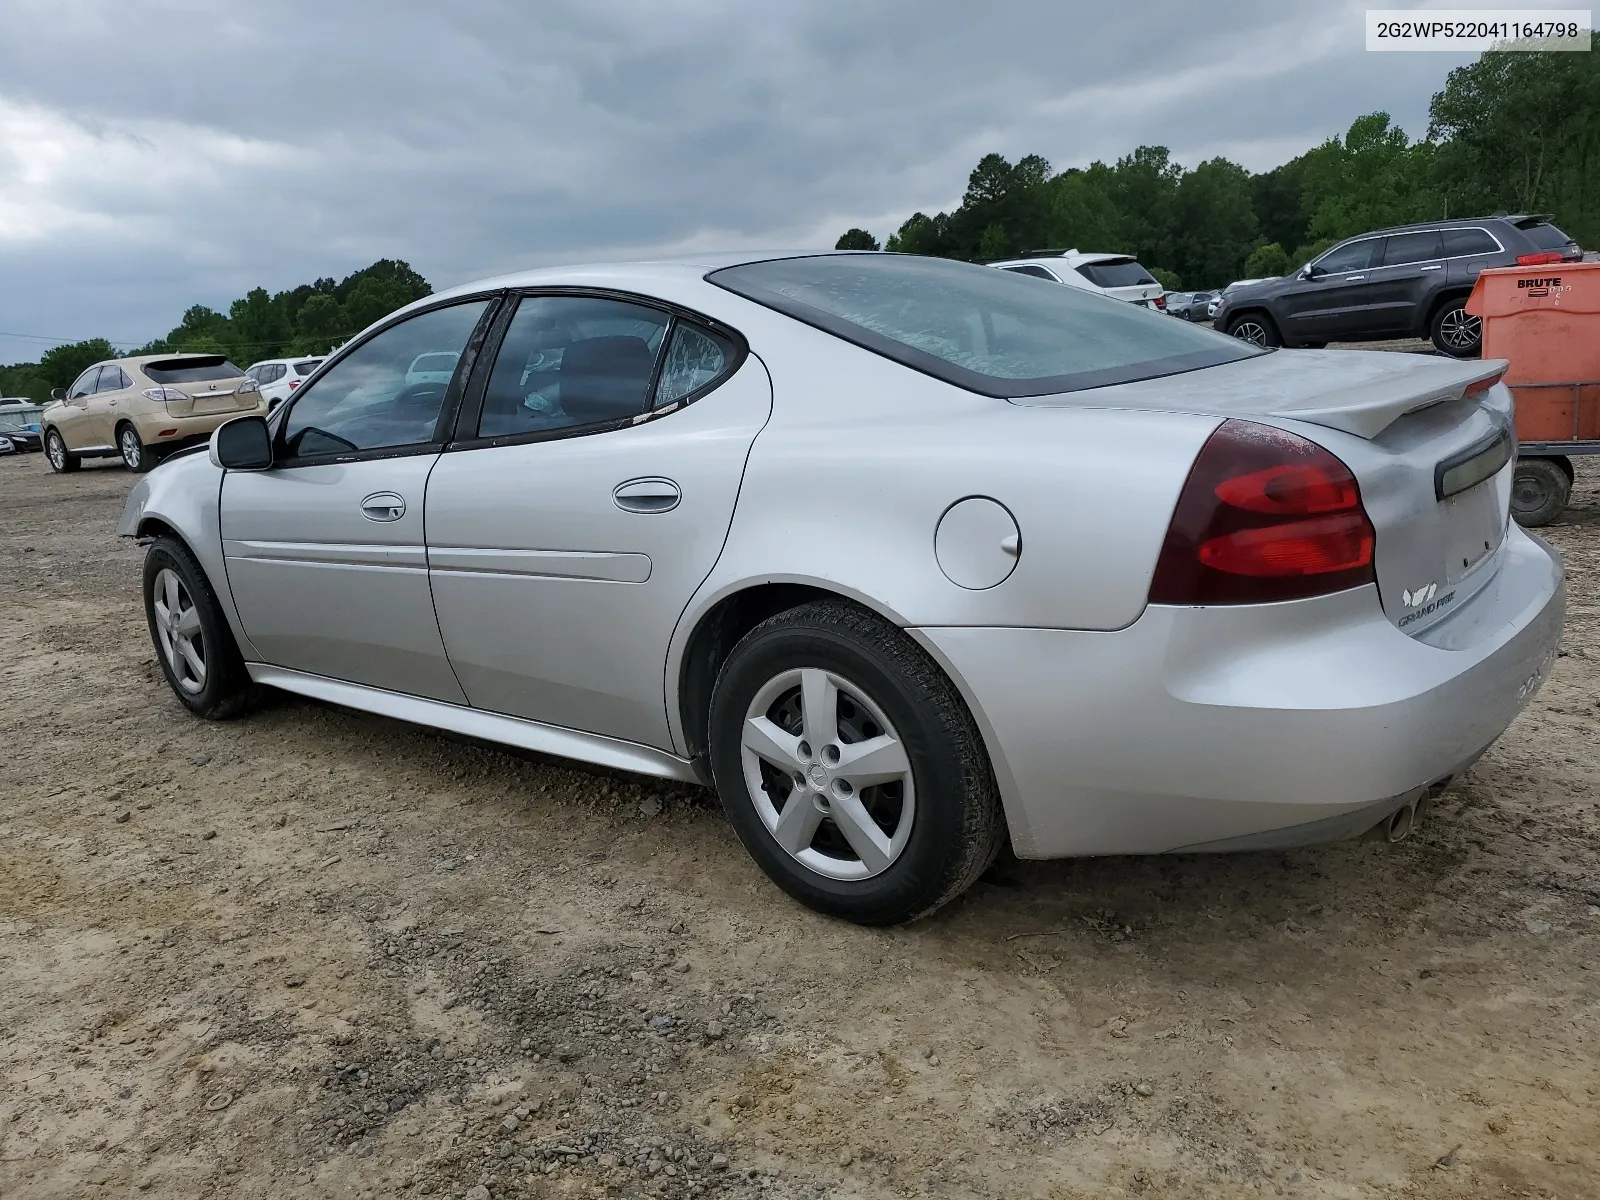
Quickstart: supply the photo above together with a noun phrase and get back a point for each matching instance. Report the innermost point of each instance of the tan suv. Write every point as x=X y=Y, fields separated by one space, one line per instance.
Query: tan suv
x=145 y=408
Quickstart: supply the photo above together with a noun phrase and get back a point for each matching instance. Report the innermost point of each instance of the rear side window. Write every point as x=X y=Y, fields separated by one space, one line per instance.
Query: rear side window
x=695 y=358
x=1545 y=235
x=978 y=328
x=1405 y=248
x=1036 y=272
x=572 y=361
x=197 y=368
x=1458 y=243
x=1115 y=272
x=112 y=380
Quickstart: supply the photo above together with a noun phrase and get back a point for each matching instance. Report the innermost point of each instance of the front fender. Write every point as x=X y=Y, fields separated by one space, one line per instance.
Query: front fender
x=183 y=496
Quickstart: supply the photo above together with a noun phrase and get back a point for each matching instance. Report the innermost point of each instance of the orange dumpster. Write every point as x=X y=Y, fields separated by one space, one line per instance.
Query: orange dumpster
x=1545 y=321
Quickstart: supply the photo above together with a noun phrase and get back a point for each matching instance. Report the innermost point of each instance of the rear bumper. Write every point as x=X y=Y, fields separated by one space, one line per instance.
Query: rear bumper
x=1255 y=725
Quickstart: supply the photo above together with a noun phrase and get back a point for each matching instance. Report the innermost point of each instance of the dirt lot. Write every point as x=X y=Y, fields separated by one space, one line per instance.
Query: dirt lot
x=315 y=953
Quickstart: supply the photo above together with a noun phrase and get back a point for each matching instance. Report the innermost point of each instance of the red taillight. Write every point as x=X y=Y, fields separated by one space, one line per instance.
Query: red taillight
x=1160 y=302
x=1482 y=385
x=293 y=383
x=1265 y=515
x=1539 y=260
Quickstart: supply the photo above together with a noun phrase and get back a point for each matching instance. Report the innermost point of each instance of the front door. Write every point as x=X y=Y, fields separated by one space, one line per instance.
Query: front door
x=324 y=550
x=1333 y=302
x=73 y=420
x=568 y=531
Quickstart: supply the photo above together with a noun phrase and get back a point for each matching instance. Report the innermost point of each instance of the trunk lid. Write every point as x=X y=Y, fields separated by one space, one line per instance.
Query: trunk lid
x=1433 y=461
x=209 y=383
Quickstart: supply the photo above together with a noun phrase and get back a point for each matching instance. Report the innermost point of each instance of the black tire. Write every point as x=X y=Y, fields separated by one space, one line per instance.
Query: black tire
x=226 y=689
x=1254 y=327
x=62 y=460
x=955 y=826
x=1456 y=332
x=1540 y=490
x=136 y=456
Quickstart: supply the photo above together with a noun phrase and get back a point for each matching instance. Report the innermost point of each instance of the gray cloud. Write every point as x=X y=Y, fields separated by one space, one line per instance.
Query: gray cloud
x=162 y=153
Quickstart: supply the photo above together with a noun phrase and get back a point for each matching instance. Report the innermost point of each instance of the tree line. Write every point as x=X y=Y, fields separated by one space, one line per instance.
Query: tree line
x=310 y=319
x=1508 y=133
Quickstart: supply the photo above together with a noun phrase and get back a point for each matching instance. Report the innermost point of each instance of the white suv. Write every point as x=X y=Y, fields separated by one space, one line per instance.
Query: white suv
x=1117 y=275
x=280 y=376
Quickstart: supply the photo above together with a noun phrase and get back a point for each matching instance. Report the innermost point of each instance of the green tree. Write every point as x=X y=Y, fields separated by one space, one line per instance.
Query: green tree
x=322 y=325
x=1373 y=178
x=60 y=365
x=921 y=234
x=1144 y=188
x=1170 y=280
x=1521 y=132
x=856 y=239
x=1278 y=198
x=393 y=277
x=1214 y=226
x=1265 y=261
x=258 y=327
x=1082 y=213
x=372 y=299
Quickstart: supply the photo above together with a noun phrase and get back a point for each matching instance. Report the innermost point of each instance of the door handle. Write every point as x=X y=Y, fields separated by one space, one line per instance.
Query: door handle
x=649 y=495
x=1435 y=267
x=1353 y=278
x=383 y=506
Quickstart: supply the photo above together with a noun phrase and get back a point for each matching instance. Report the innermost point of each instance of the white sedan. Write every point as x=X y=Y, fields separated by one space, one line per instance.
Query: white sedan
x=906 y=557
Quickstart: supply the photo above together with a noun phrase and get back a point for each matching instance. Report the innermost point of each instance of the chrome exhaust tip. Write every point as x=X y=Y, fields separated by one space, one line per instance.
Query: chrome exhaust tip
x=1399 y=826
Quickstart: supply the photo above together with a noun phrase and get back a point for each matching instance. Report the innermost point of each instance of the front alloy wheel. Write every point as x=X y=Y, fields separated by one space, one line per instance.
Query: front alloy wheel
x=55 y=449
x=193 y=644
x=176 y=622
x=1251 y=330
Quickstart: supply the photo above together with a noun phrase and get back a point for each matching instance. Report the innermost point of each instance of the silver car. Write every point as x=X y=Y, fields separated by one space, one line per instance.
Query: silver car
x=906 y=557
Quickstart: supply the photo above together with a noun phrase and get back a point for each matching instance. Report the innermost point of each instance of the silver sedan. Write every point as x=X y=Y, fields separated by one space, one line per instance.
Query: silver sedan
x=907 y=558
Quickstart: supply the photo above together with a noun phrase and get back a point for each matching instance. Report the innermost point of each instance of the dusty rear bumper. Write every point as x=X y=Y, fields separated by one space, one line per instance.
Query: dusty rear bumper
x=1260 y=725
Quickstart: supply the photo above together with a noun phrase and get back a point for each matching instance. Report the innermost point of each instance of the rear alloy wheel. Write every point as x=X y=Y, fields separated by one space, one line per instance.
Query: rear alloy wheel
x=849 y=766
x=1457 y=332
x=61 y=459
x=135 y=454
x=1255 y=328
x=1540 y=490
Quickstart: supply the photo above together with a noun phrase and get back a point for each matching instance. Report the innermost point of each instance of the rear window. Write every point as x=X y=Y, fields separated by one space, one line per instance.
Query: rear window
x=1115 y=272
x=305 y=368
x=196 y=369
x=992 y=332
x=1545 y=235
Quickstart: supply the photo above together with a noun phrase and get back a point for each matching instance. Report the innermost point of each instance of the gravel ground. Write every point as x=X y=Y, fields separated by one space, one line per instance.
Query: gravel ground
x=316 y=953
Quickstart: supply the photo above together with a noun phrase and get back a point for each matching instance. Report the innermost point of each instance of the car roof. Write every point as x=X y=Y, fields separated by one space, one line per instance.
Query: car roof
x=1453 y=223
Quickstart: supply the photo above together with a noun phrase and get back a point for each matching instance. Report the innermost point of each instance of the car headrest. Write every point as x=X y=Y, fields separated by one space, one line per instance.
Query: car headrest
x=605 y=378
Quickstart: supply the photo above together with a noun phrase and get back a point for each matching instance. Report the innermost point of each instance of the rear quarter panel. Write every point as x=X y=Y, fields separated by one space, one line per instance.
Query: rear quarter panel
x=846 y=485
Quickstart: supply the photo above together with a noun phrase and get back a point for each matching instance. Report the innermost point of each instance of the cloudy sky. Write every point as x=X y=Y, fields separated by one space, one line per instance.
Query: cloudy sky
x=158 y=153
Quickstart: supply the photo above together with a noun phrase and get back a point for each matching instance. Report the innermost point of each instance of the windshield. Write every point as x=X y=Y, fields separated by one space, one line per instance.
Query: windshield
x=997 y=333
x=197 y=369
x=1115 y=272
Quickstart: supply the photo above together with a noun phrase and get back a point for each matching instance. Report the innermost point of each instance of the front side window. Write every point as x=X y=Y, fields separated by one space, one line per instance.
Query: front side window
x=1403 y=248
x=1353 y=256
x=978 y=328
x=570 y=361
x=85 y=384
x=371 y=399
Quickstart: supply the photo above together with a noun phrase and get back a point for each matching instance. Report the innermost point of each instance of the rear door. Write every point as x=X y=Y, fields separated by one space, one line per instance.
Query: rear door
x=1412 y=269
x=1468 y=251
x=589 y=497
x=113 y=400
x=324 y=550
x=1332 y=303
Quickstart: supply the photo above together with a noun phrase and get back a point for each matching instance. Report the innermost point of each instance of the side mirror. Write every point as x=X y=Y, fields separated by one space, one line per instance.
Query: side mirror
x=1309 y=271
x=58 y=393
x=244 y=444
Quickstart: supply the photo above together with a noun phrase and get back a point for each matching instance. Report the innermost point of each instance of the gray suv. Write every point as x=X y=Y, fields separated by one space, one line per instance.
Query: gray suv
x=1410 y=281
